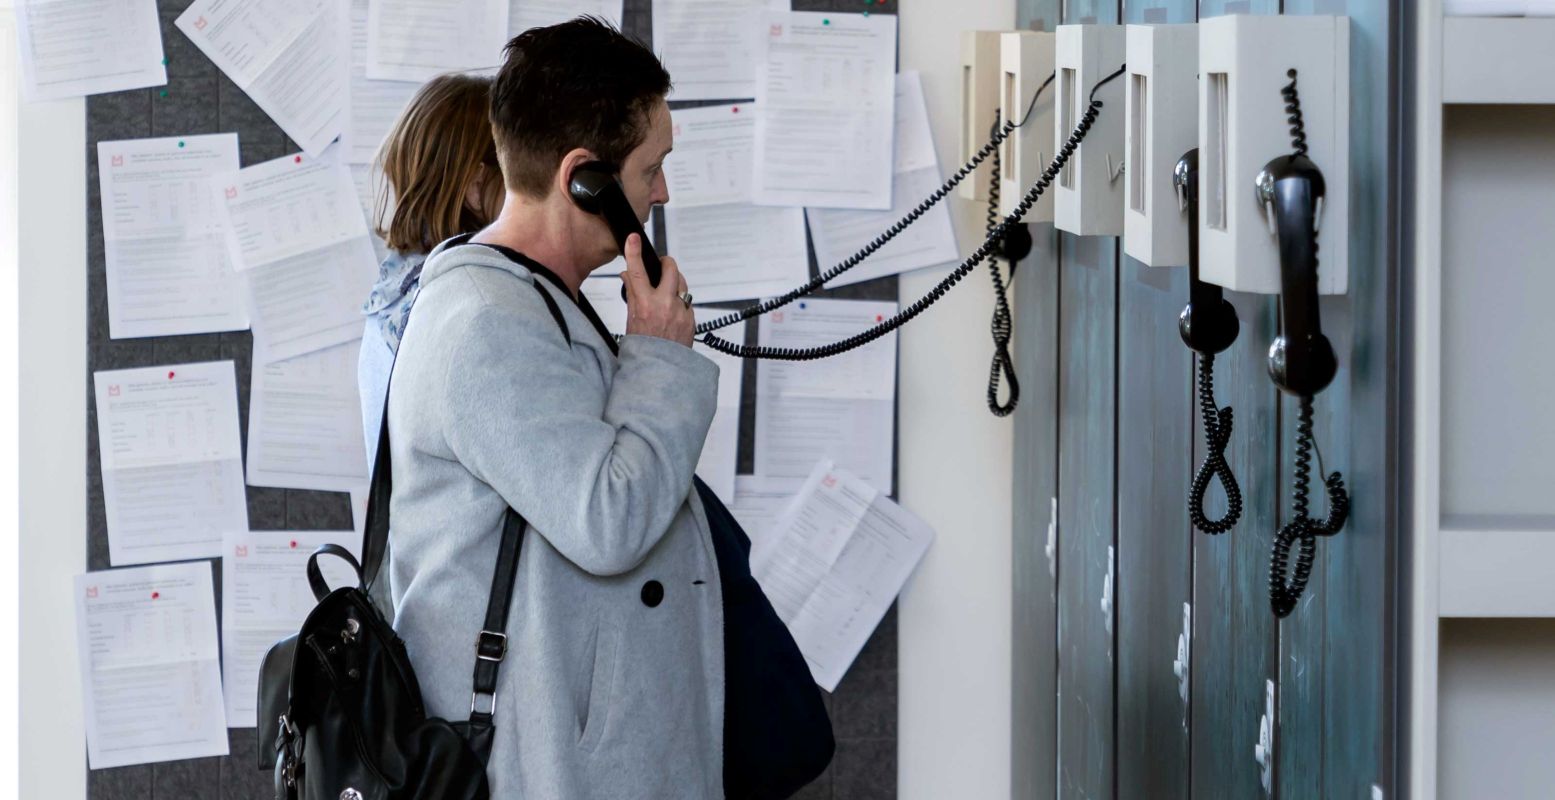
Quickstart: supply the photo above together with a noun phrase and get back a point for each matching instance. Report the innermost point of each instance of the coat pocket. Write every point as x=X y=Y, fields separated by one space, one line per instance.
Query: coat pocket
x=602 y=694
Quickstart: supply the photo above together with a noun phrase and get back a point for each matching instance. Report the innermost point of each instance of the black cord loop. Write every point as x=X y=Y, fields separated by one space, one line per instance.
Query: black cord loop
x=1002 y=326
x=1217 y=434
x=1283 y=595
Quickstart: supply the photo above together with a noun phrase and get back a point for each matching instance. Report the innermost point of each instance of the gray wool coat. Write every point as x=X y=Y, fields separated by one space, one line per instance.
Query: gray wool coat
x=613 y=684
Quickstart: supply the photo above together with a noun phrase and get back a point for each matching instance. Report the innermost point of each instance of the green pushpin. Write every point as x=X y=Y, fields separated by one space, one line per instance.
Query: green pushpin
x=164 y=61
x=180 y=142
x=825 y=22
x=164 y=93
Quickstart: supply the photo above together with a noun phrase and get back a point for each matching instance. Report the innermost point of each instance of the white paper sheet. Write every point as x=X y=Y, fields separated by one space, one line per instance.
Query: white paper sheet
x=707 y=44
x=264 y=599
x=304 y=427
x=833 y=564
x=296 y=234
x=150 y=677
x=369 y=182
x=713 y=158
x=168 y=270
x=758 y=504
x=289 y=56
x=526 y=14
x=71 y=48
x=171 y=460
x=415 y=40
x=375 y=105
x=737 y=251
x=720 y=451
x=841 y=407
x=928 y=242
x=824 y=84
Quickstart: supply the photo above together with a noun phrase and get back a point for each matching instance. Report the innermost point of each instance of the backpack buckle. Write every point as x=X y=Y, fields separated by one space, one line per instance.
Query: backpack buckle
x=491 y=646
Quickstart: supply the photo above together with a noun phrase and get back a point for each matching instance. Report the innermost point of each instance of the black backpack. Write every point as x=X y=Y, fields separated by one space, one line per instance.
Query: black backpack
x=340 y=711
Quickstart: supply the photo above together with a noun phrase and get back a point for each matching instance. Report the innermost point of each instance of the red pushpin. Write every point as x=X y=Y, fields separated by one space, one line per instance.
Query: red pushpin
x=170 y=374
x=297 y=159
x=879 y=318
x=156 y=595
x=736 y=109
x=294 y=544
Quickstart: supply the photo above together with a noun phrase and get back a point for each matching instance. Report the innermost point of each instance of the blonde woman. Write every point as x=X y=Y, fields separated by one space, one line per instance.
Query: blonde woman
x=441 y=179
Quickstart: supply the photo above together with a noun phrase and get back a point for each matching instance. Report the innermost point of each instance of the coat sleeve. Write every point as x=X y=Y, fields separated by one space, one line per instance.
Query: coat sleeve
x=600 y=476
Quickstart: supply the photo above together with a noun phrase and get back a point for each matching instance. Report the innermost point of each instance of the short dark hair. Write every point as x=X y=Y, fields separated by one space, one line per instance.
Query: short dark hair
x=581 y=83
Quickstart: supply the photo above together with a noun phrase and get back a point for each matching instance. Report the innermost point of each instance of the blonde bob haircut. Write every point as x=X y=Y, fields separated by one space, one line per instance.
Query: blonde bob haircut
x=438 y=151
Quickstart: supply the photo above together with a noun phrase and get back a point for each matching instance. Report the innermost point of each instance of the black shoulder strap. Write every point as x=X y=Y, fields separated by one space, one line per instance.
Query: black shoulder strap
x=491 y=642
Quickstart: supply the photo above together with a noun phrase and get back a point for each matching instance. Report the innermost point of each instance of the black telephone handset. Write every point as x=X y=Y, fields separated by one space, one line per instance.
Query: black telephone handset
x=1208 y=325
x=1301 y=361
x=595 y=187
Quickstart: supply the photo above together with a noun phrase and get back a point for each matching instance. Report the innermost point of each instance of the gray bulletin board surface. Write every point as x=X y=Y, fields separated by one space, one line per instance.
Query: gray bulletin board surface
x=199 y=99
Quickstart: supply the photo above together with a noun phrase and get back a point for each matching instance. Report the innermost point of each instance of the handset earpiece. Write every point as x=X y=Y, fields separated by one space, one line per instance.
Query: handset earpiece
x=1290 y=189
x=595 y=187
x=1208 y=324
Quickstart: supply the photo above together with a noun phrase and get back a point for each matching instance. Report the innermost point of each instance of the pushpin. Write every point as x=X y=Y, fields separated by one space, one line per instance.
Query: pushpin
x=297 y=159
x=825 y=22
x=801 y=306
x=155 y=595
x=164 y=58
x=736 y=109
x=164 y=93
x=180 y=142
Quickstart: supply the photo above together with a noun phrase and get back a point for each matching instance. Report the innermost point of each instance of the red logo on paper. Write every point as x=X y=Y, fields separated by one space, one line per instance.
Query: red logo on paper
x=200 y=23
x=232 y=191
x=156 y=595
x=91 y=591
x=777 y=30
x=830 y=481
x=241 y=551
x=118 y=161
x=113 y=391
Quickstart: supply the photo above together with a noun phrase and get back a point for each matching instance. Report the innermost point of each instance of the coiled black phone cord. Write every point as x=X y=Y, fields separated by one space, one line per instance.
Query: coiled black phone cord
x=1002 y=326
x=810 y=286
x=1285 y=594
x=921 y=304
x=1217 y=434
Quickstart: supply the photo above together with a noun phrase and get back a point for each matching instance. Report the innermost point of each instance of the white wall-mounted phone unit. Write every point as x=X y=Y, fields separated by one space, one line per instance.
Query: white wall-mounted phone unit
x=1161 y=124
x=1244 y=63
x=979 y=104
x=1088 y=196
x=1026 y=62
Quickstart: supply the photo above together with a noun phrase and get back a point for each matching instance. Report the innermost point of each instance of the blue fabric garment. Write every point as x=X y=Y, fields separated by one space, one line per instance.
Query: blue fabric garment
x=399 y=280
x=386 y=310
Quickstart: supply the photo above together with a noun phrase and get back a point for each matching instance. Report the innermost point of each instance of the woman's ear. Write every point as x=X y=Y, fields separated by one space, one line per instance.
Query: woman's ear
x=574 y=158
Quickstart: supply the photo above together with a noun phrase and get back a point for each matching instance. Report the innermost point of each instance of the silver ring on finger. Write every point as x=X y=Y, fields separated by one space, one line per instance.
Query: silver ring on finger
x=685 y=297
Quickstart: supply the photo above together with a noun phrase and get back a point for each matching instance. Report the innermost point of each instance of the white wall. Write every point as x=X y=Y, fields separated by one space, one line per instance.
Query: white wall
x=953 y=724
x=51 y=188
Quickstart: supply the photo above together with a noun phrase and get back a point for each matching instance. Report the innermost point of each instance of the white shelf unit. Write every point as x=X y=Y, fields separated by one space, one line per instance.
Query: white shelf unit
x=1482 y=499
x=1498 y=60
